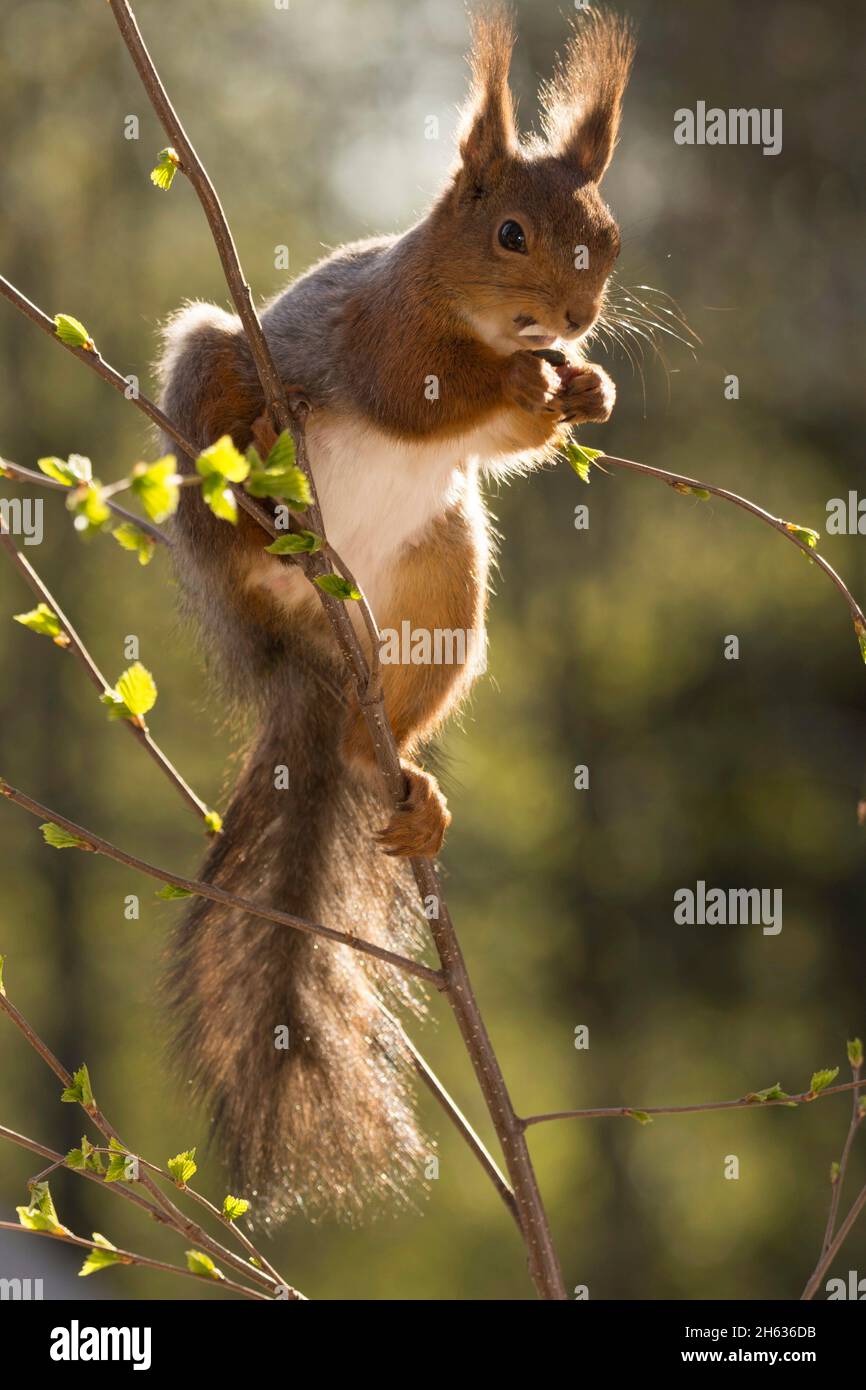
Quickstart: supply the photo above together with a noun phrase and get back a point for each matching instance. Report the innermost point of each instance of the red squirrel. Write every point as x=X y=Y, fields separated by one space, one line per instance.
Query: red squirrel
x=417 y=353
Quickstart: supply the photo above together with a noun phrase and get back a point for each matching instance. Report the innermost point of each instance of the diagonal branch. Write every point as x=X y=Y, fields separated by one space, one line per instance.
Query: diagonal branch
x=829 y=1255
x=93 y=359
x=59 y=1160
x=680 y=483
x=126 y=1257
x=195 y=887
x=163 y=1210
x=857 y=1117
x=76 y=646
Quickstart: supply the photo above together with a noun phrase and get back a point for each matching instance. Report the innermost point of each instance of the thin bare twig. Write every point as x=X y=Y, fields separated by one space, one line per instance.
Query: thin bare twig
x=94 y=360
x=829 y=1255
x=197 y=888
x=857 y=1117
x=744 y=1103
x=75 y=645
x=679 y=481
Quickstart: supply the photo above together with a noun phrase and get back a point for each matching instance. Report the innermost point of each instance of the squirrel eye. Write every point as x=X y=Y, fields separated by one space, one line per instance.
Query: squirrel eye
x=512 y=237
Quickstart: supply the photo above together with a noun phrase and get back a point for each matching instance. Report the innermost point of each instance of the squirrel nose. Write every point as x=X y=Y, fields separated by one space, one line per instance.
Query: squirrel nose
x=576 y=322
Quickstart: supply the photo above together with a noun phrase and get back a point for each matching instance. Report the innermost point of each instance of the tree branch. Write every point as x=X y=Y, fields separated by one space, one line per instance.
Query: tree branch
x=163 y=1209
x=829 y=1255
x=839 y=1179
x=126 y=1257
x=93 y=359
x=197 y=888
x=744 y=1103
x=24 y=1142
x=680 y=482
x=140 y=733
x=16 y=474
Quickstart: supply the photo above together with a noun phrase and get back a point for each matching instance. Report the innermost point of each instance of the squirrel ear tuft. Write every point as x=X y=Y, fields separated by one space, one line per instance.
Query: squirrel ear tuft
x=582 y=102
x=488 y=133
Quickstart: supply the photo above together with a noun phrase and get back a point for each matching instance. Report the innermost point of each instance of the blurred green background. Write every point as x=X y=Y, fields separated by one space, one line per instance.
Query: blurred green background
x=606 y=645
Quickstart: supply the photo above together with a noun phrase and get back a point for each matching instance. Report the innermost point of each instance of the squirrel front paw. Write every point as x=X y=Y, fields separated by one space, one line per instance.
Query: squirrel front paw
x=530 y=384
x=418 y=825
x=587 y=395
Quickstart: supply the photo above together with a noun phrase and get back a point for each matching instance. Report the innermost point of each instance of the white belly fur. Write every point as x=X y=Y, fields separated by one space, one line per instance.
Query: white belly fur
x=377 y=495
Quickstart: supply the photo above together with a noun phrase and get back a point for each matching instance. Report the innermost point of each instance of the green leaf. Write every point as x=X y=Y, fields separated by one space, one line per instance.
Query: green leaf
x=282 y=453
x=235 y=1207
x=804 y=534
x=295 y=543
x=337 y=586
x=223 y=458
x=86 y=1158
x=288 y=484
x=835 y=1170
x=200 y=1263
x=81 y=1091
x=156 y=485
x=687 y=491
x=182 y=1167
x=822 y=1079
x=75 y=469
x=855 y=1052
x=220 y=498
x=162 y=175
x=641 y=1116
x=116 y=708
x=170 y=891
x=213 y=822
x=59 y=838
x=770 y=1093
x=40 y=1214
x=280 y=477
x=41 y=619
x=89 y=507
x=101 y=1256
x=581 y=459
x=130 y=537
x=132 y=697
x=73 y=333
x=860 y=630
x=137 y=689
x=117 y=1170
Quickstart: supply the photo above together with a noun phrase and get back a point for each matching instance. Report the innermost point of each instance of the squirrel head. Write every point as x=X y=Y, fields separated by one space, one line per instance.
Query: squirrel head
x=525 y=243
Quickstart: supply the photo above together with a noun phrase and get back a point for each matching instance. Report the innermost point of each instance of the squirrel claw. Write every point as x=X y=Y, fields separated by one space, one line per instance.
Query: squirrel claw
x=530 y=384
x=417 y=827
x=586 y=394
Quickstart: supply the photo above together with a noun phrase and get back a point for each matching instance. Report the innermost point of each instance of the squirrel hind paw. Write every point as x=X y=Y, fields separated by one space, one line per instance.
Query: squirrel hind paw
x=417 y=827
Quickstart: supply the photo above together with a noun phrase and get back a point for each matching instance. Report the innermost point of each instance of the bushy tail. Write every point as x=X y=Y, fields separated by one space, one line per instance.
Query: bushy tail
x=281 y=1033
